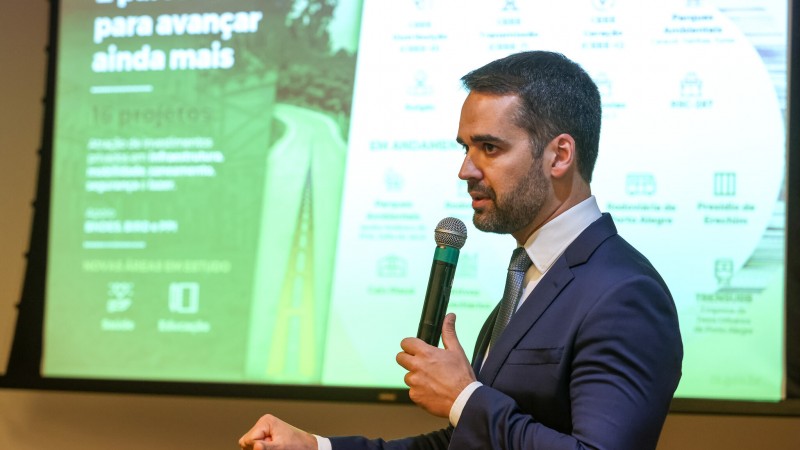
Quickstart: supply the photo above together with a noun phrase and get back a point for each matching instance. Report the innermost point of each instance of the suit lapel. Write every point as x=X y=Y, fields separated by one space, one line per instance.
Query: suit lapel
x=537 y=302
x=482 y=343
x=553 y=282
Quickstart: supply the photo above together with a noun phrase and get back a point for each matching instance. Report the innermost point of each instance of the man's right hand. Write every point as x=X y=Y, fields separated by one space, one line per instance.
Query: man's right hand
x=273 y=433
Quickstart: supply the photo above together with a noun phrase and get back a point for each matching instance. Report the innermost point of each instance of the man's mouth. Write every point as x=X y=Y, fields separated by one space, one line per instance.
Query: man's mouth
x=479 y=204
x=480 y=197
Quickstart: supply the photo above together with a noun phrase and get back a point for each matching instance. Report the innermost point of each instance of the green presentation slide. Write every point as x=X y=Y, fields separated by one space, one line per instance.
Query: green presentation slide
x=245 y=191
x=199 y=156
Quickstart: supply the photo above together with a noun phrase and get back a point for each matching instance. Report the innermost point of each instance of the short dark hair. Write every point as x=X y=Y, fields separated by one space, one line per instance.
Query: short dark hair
x=556 y=96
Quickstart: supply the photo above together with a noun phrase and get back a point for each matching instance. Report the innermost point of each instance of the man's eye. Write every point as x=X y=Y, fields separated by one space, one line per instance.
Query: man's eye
x=489 y=147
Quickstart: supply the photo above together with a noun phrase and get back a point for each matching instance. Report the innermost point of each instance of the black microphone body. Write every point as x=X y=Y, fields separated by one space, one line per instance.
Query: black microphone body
x=450 y=237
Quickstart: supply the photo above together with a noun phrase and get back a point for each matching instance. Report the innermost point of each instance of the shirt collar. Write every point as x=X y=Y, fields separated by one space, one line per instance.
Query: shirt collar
x=549 y=242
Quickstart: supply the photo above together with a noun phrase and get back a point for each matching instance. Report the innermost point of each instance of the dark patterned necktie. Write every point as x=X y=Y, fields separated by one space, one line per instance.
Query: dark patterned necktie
x=520 y=262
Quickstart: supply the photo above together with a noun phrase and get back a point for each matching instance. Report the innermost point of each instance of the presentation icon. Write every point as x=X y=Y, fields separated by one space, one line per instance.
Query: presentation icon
x=691 y=86
x=603 y=5
x=723 y=271
x=724 y=184
x=423 y=4
x=420 y=87
x=460 y=190
x=510 y=5
x=184 y=298
x=604 y=85
x=640 y=184
x=468 y=266
x=393 y=180
x=392 y=266
x=120 y=297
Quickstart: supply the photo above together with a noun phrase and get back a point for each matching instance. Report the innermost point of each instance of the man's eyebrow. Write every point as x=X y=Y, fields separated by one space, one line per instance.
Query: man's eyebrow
x=490 y=138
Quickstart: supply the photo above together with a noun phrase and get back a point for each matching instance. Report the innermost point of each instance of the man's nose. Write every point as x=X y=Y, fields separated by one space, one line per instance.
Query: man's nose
x=469 y=171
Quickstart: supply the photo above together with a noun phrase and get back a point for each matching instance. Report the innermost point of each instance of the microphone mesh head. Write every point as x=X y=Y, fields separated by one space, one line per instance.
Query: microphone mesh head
x=451 y=232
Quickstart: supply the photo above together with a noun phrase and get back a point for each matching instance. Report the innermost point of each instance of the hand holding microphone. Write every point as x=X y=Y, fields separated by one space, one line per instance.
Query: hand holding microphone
x=437 y=376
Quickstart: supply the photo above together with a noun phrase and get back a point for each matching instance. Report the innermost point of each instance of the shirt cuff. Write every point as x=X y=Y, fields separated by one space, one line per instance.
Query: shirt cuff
x=461 y=402
x=323 y=443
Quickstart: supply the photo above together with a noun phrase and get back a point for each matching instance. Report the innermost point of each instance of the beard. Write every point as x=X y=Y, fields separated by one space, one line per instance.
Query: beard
x=513 y=210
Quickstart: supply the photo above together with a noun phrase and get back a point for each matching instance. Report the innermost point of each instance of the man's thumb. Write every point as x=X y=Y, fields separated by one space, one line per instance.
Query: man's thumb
x=449 y=337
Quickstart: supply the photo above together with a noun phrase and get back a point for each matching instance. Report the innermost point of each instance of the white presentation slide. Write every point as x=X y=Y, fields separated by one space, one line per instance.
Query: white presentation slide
x=691 y=169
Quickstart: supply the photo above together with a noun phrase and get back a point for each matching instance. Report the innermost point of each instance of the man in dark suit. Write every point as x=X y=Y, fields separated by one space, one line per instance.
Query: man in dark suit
x=591 y=354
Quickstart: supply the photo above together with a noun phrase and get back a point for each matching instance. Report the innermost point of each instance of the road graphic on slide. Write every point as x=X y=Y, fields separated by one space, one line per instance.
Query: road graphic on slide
x=292 y=277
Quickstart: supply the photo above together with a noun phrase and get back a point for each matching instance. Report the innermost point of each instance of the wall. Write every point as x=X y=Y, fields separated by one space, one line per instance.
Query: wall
x=33 y=420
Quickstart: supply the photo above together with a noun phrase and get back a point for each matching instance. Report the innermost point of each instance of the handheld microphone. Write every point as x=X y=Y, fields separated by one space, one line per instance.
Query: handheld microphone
x=450 y=237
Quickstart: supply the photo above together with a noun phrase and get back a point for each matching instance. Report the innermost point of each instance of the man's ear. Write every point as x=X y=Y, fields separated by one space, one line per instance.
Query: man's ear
x=564 y=158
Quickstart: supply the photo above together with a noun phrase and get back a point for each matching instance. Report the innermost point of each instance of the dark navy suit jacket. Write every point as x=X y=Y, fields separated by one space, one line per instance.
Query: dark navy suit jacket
x=590 y=360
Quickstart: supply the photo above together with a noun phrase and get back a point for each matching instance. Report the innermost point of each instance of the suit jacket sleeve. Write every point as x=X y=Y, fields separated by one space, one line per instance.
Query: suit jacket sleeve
x=437 y=440
x=623 y=368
